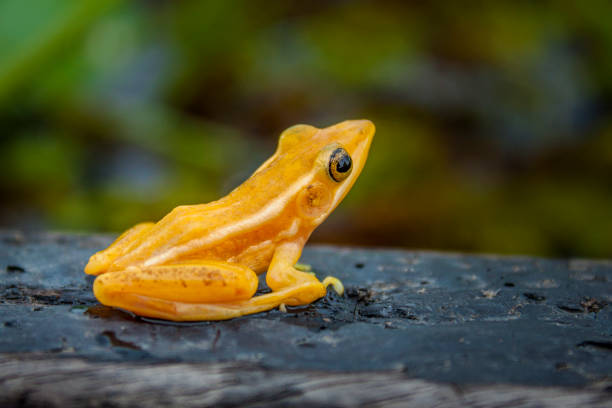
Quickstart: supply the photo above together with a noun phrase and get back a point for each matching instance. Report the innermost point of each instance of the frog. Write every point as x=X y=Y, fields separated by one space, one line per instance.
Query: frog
x=201 y=262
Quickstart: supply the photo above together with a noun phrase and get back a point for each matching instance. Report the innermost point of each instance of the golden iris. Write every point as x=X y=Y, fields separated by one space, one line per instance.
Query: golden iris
x=340 y=164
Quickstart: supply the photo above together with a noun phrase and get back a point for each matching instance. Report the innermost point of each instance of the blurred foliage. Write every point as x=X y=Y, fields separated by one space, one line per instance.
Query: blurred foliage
x=494 y=118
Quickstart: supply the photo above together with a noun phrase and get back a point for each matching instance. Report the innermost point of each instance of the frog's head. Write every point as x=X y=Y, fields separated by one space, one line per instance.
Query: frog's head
x=323 y=164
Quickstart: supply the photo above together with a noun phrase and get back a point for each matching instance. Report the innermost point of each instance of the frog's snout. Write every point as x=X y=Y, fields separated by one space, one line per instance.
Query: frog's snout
x=361 y=133
x=357 y=130
x=365 y=127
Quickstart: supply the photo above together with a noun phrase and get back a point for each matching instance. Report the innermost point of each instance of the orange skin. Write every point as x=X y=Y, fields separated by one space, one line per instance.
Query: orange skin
x=200 y=262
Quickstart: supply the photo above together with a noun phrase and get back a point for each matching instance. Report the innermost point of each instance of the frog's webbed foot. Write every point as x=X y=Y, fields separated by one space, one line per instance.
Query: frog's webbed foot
x=330 y=280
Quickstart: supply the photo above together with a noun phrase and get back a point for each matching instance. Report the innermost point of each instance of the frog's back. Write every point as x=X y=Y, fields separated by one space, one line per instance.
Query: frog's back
x=243 y=227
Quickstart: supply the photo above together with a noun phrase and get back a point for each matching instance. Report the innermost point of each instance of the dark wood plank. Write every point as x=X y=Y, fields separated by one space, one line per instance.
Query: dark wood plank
x=440 y=328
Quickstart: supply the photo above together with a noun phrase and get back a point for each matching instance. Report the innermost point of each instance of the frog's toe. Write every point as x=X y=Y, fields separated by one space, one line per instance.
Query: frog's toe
x=303 y=267
x=335 y=283
x=98 y=264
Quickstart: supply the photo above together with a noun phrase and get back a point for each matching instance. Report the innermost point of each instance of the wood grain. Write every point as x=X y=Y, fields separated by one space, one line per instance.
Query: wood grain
x=68 y=382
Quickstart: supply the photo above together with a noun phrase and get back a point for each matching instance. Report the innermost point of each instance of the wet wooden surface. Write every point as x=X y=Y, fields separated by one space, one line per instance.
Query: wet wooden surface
x=422 y=327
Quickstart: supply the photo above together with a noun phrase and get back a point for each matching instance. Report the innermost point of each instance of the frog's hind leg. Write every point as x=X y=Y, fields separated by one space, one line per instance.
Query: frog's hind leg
x=210 y=290
x=100 y=261
x=194 y=291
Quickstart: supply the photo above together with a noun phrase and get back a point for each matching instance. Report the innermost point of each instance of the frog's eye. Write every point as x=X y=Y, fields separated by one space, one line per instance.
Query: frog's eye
x=340 y=164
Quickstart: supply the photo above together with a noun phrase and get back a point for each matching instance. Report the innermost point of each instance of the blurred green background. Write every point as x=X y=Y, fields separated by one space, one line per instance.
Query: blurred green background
x=494 y=119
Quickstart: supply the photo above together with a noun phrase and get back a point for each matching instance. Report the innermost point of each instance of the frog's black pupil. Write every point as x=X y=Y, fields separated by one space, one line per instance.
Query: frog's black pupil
x=339 y=164
x=344 y=164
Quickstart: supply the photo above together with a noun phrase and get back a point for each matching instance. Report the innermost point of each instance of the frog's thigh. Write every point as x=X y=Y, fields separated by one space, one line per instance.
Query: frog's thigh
x=160 y=291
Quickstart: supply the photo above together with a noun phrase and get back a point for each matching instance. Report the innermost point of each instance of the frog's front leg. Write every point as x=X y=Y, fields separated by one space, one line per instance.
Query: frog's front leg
x=282 y=272
x=283 y=277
